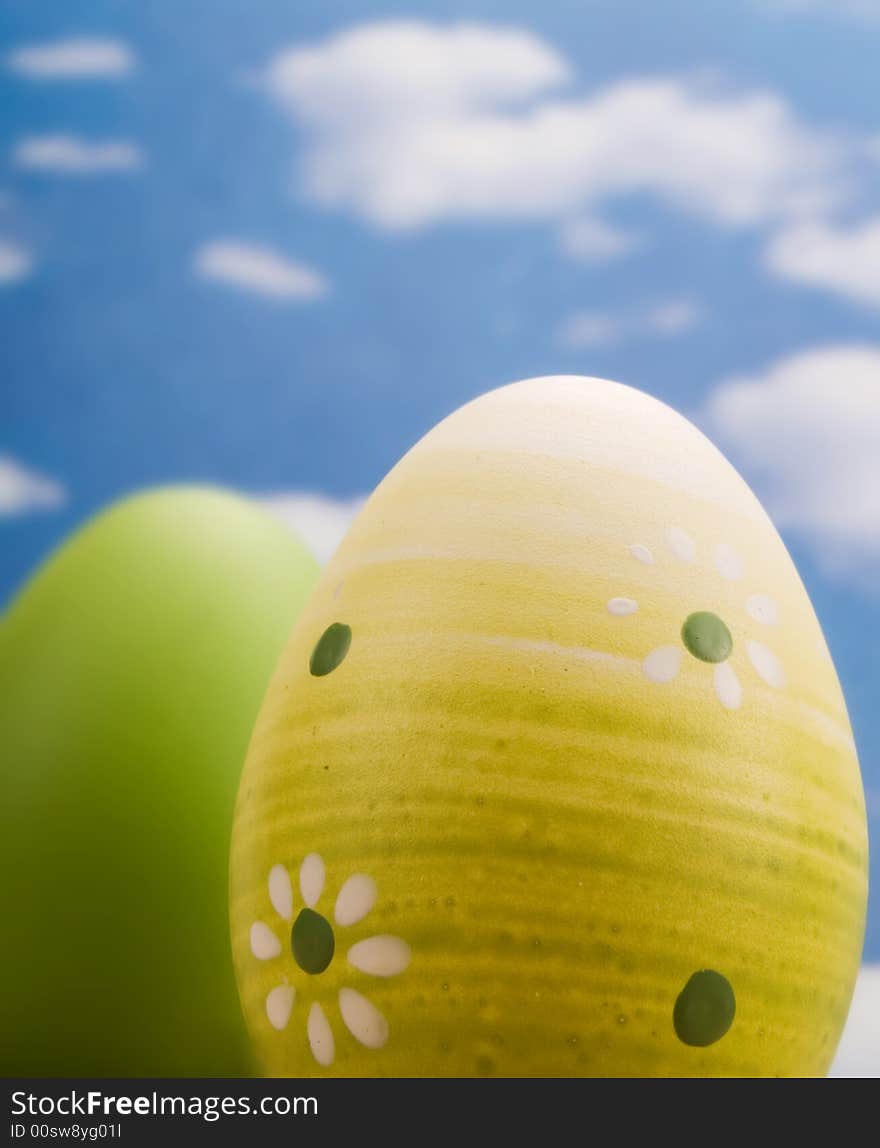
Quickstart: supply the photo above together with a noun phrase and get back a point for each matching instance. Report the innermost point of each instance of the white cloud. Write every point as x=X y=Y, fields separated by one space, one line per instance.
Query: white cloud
x=361 y=72
x=259 y=270
x=845 y=261
x=15 y=263
x=590 y=330
x=69 y=155
x=409 y=124
x=320 y=521
x=23 y=491
x=673 y=317
x=79 y=58
x=865 y=9
x=583 y=330
x=590 y=240
x=594 y=329
x=859 y=1052
x=807 y=430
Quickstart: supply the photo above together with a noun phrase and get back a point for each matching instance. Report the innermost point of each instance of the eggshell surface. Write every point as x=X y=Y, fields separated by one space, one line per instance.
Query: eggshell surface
x=555 y=777
x=132 y=666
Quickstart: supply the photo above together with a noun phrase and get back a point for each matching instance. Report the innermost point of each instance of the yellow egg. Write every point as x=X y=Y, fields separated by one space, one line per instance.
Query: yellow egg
x=555 y=776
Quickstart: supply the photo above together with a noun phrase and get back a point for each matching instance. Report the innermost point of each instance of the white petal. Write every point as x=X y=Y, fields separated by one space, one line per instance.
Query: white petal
x=642 y=553
x=279 y=1004
x=662 y=664
x=264 y=943
x=280 y=892
x=767 y=664
x=727 y=686
x=311 y=879
x=728 y=563
x=682 y=545
x=763 y=609
x=622 y=606
x=382 y=956
x=356 y=897
x=362 y=1019
x=320 y=1036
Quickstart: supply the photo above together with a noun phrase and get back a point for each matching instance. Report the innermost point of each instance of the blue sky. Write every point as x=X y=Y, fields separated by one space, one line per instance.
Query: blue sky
x=271 y=244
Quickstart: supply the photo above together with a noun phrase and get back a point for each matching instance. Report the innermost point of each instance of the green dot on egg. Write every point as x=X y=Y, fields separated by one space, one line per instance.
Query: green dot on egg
x=312 y=941
x=330 y=650
x=707 y=637
x=705 y=1009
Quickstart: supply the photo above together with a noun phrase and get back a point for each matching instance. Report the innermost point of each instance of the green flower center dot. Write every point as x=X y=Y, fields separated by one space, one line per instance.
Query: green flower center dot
x=706 y=636
x=331 y=649
x=312 y=941
x=705 y=1009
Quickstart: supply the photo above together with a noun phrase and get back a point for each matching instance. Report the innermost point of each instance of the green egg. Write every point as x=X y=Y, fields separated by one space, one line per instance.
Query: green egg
x=132 y=667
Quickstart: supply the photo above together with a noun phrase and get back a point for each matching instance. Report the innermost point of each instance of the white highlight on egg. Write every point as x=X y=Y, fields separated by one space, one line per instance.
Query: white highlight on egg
x=681 y=544
x=264 y=944
x=763 y=609
x=320 y=1036
x=766 y=664
x=362 y=1019
x=662 y=664
x=533 y=646
x=622 y=606
x=382 y=956
x=642 y=553
x=600 y=425
x=280 y=892
x=356 y=897
x=824 y=726
x=822 y=647
x=279 y=1005
x=311 y=879
x=728 y=563
x=727 y=686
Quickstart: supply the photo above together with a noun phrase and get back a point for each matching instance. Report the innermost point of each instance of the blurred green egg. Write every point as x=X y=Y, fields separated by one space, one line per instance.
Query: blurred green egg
x=131 y=670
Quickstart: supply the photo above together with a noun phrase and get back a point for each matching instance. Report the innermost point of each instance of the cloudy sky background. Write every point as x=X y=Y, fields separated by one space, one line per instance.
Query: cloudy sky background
x=269 y=245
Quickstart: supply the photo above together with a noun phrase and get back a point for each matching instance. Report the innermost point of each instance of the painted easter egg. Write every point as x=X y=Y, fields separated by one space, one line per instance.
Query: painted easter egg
x=555 y=776
x=132 y=667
